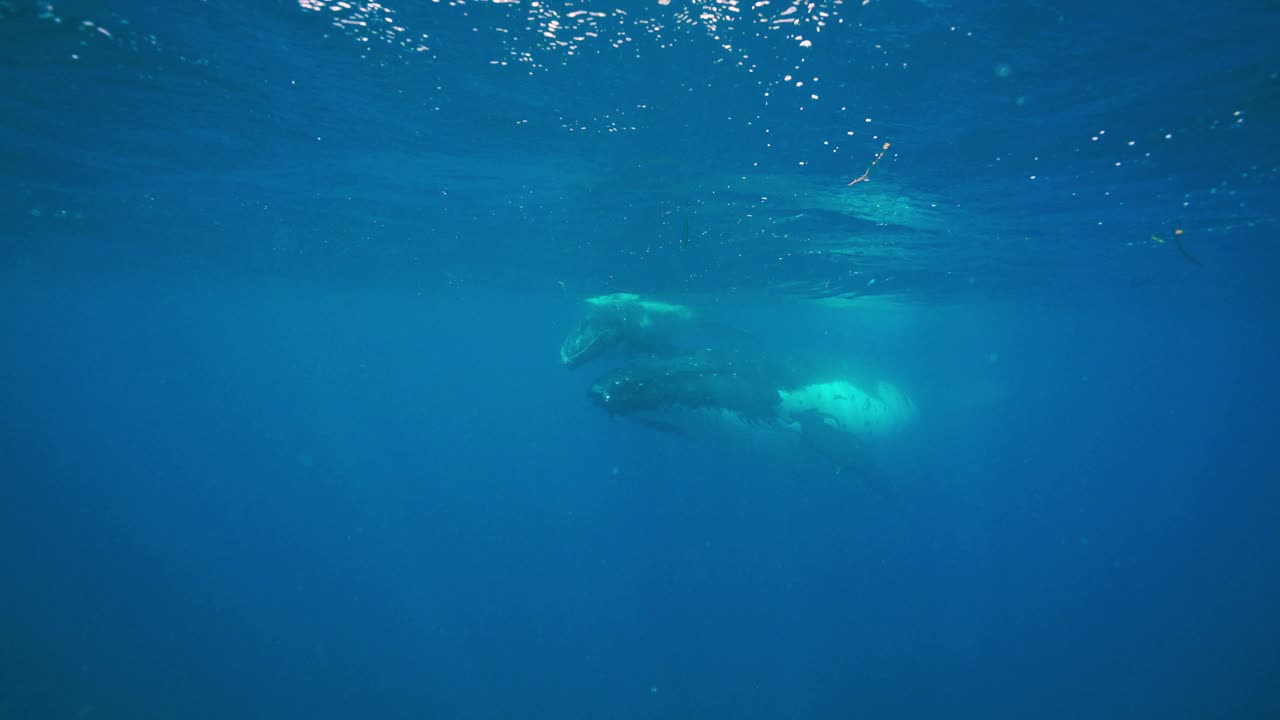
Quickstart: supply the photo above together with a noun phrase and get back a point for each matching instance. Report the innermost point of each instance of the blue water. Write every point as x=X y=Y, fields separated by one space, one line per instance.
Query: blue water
x=284 y=432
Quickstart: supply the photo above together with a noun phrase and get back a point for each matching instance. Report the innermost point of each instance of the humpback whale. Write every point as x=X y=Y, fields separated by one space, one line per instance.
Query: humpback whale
x=750 y=397
x=624 y=323
x=667 y=378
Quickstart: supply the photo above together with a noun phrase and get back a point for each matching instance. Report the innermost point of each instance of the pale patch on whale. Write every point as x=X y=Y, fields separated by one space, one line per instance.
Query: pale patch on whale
x=848 y=408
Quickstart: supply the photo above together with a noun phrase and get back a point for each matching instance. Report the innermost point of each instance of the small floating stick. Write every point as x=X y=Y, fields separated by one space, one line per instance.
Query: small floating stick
x=883 y=150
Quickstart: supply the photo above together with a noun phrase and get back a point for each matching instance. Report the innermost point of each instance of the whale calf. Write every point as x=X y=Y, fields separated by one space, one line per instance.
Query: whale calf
x=625 y=323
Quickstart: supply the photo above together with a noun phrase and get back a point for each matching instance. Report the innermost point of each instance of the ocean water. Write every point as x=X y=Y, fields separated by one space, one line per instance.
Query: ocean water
x=284 y=432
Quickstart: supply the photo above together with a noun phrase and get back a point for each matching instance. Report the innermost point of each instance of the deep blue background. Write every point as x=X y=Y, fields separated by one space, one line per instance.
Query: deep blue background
x=283 y=432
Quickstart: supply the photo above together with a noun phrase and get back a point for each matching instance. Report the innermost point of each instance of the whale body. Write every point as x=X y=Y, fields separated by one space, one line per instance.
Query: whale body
x=769 y=405
x=683 y=374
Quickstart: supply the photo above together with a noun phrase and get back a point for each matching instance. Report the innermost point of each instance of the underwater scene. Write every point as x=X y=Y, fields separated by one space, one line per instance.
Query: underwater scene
x=639 y=360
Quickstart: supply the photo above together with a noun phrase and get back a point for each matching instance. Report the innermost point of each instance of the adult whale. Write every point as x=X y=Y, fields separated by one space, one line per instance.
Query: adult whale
x=741 y=396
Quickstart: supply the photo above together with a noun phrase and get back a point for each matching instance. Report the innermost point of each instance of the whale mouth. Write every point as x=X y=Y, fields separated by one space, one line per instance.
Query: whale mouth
x=579 y=346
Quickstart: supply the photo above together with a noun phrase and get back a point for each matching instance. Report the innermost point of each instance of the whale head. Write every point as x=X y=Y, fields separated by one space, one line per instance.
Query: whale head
x=586 y=341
